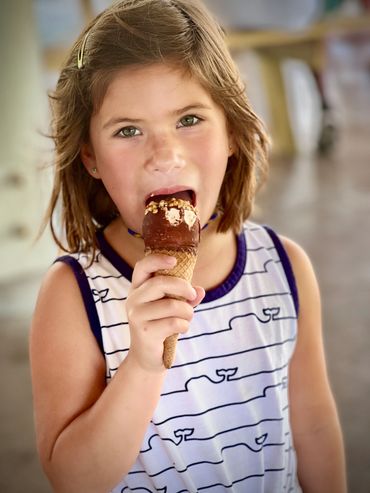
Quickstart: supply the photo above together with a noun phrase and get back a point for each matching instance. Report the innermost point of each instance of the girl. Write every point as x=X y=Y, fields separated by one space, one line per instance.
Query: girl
x=149 y=102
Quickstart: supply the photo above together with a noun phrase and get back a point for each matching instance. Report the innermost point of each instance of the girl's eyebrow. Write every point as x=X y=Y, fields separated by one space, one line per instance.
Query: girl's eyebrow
x=121 y=119
x=191 y=107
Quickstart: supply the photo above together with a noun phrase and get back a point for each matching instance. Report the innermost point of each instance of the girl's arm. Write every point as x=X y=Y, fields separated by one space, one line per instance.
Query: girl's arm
x=316 y=430
x=90 y=434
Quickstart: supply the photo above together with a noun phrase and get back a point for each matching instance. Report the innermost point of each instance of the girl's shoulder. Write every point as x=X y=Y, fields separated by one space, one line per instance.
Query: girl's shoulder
x=295 y=261
x=304 y=273
x=298 y=264
x=62 y=295
x=295 y=253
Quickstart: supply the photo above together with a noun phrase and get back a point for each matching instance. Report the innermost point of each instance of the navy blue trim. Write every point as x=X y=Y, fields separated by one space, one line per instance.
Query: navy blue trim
x=87 y=297
x=113 y=257
x=234 y=277
x=287 y=266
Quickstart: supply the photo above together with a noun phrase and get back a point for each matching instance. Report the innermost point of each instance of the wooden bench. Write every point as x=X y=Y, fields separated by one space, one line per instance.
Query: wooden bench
x=306 y=44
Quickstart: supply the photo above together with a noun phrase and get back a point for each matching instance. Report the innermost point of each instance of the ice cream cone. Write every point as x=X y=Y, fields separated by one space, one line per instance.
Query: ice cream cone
x=186 y=259
x=171 y=227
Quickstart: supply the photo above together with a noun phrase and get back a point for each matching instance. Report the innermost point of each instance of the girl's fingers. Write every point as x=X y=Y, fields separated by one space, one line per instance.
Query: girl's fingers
x=173 y=325
x=166 y=308
x=199 y=297
x=159 y=287
x=149 y=265
x=162 y=286
x=153 y=313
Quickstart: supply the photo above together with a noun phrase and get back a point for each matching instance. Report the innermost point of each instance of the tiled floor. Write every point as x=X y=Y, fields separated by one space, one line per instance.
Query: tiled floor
x=19 y=467
x=324 y=204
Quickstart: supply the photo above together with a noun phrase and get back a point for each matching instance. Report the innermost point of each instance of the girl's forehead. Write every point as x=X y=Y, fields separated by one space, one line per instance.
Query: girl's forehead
x=138 y=76
x=142 y=84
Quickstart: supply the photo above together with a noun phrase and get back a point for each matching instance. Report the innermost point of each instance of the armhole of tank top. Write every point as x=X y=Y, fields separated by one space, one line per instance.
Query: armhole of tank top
x=287 y=266
x=87 y=297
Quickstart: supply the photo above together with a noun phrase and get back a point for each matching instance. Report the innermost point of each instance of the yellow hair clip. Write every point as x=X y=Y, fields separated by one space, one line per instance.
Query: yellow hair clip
x=81 y=52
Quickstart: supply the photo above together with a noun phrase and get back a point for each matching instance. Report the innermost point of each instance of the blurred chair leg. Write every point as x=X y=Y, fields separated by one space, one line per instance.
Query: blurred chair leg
x=280 y=127
x=329 y=130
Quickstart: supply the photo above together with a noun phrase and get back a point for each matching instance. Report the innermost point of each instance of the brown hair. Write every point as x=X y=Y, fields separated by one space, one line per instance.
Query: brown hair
x=136 y=32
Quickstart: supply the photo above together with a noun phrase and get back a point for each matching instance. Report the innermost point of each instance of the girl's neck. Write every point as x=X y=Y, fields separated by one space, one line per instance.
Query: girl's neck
x=216 y=255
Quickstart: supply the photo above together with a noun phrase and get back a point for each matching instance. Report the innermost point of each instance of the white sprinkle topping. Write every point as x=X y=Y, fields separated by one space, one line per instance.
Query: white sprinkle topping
x=189 y=218
x=173 y=216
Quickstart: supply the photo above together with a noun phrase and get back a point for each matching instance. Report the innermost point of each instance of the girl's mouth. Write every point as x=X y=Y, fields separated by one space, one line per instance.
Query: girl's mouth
x=186 y=194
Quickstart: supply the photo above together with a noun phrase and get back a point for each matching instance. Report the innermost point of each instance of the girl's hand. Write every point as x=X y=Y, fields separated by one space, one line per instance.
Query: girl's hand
x=152 y=315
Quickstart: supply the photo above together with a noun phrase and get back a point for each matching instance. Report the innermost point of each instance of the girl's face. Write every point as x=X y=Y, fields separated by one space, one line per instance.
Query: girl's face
x=157 y=131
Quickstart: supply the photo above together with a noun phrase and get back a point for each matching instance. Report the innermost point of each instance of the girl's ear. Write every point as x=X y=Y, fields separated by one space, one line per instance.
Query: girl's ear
x=232 y=146
x=231 y=142
x=88 y=160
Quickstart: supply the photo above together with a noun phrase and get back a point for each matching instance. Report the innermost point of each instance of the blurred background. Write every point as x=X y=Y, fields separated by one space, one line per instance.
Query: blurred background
x=306 y=65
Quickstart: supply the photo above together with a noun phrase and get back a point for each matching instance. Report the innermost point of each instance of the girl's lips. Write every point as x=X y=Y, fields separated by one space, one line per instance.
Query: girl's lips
x=183 y=192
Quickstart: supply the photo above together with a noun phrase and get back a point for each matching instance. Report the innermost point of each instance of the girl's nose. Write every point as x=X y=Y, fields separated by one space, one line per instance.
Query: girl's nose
x=165 y=157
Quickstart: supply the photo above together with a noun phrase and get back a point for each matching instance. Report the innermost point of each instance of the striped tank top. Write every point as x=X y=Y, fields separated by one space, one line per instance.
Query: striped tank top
x=222 y=421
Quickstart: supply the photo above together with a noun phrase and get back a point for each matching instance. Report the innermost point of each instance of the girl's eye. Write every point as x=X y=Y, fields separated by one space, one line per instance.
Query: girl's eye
x=189 y=121
x=128 y=132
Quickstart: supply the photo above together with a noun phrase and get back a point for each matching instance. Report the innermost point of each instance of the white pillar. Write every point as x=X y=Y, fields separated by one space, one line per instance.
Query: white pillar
x=23 y=149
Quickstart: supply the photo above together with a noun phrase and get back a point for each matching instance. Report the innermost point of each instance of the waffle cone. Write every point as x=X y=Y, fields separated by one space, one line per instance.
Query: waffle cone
x=186 y=258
